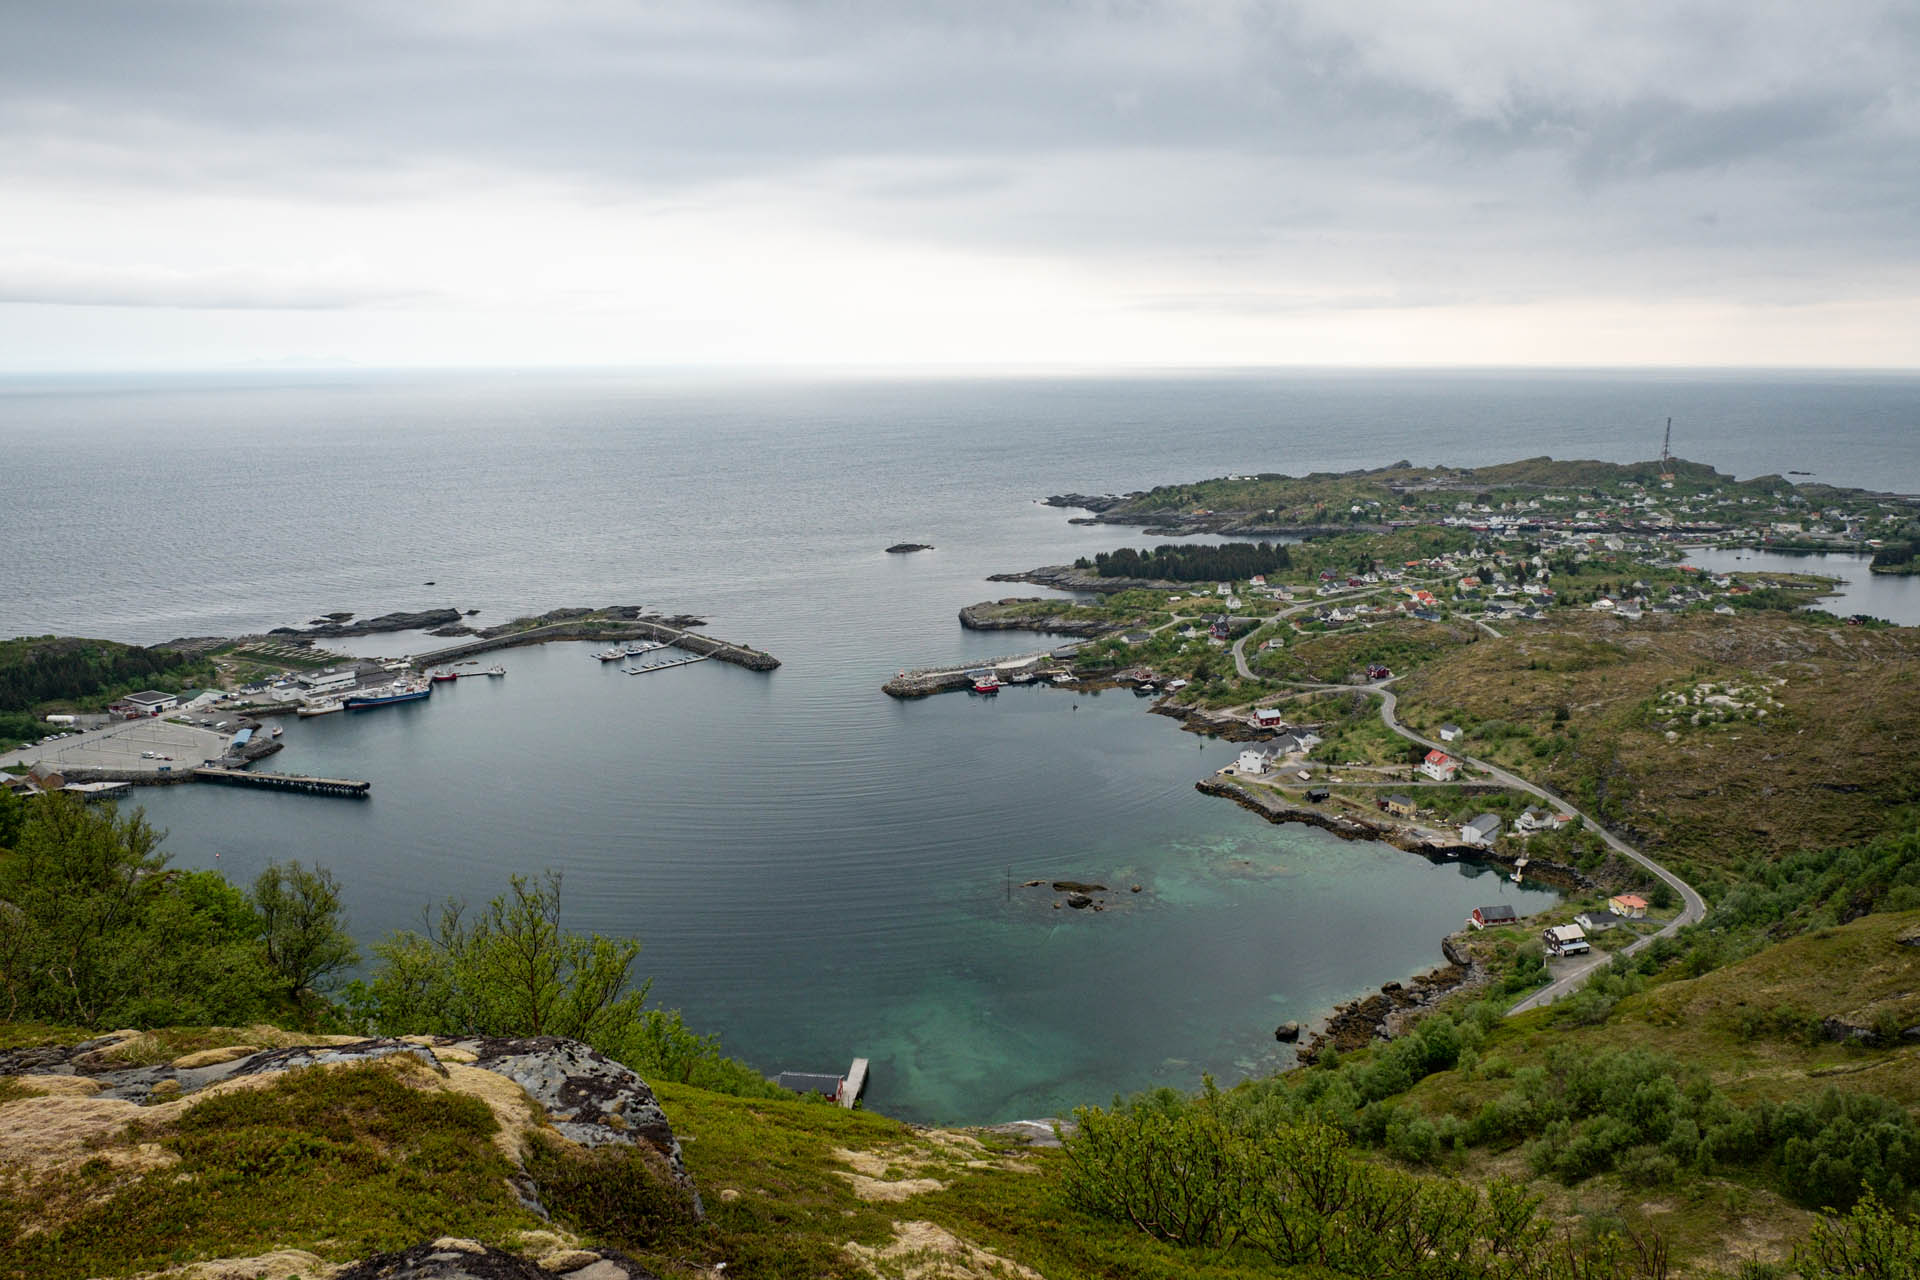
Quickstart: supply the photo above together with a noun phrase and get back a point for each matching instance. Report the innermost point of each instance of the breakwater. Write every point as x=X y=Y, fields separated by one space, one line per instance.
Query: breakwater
x=606 y=629
x=919 y=682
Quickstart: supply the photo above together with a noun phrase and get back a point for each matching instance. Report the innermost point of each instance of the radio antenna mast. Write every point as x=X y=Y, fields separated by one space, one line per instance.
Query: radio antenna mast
x=1666 y=453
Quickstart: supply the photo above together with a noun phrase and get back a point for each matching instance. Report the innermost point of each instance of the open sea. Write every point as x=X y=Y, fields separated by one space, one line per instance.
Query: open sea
x=816 y=871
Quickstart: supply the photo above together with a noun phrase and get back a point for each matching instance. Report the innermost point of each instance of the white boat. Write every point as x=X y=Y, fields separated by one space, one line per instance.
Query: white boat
x=611 y=655
x=635 y=650
x=495 y=670
x=318 y=709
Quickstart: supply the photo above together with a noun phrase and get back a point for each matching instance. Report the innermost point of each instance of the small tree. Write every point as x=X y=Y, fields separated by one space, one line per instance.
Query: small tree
x=509 y=971
x=301 y=925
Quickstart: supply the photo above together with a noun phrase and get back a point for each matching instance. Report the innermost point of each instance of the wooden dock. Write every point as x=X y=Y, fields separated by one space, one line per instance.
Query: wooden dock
x=854 y=1085
x=347 y=787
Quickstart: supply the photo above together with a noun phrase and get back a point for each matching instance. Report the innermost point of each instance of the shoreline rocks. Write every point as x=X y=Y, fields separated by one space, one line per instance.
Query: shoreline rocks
x=333 y=630
x=973 y=618
x=1066 y=577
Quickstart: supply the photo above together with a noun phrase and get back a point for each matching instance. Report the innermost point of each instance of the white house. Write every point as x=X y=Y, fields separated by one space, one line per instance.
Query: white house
x=1252 y=760
x=1440 y=766
x=1448 y=732
x=1538 y=819
x=329 y=680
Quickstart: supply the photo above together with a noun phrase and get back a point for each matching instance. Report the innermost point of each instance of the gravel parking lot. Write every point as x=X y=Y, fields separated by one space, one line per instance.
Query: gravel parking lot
x=140 y=746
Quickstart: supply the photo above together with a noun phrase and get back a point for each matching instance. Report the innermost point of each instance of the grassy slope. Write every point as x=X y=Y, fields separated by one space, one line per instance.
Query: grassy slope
x=346 y=1161
x=796 y=1206
x=1725 y=1026
x=1837 y=763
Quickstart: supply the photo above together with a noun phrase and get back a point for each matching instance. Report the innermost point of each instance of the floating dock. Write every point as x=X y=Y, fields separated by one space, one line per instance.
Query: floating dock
x=652 y=667
x=347 y=787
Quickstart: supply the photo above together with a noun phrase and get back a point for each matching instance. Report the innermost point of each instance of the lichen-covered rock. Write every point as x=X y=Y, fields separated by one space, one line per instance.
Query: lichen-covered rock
x=465 y=1260
x=586 y=1096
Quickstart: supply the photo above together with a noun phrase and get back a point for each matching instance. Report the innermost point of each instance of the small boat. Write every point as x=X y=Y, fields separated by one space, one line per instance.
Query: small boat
x=1063 y=679
x=275 y=732
x=611 y=655
x=317 y=709
x=1023 y=678
x=442 y=677
x=984 y=681
x=494 y=670
x=635 y=650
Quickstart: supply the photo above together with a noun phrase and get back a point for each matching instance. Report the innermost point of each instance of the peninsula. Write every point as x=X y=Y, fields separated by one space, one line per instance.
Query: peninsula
x=1516 y=664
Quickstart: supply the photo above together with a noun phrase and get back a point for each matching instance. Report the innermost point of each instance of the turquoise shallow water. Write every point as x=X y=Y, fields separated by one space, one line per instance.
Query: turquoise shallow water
x=815 y=892
x=816 y=871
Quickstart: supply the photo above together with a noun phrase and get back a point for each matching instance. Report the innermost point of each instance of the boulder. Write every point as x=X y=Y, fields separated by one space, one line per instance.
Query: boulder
x=1287 y=1032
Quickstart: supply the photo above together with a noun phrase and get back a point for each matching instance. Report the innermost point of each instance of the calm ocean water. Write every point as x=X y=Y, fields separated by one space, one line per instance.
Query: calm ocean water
x=816 y=871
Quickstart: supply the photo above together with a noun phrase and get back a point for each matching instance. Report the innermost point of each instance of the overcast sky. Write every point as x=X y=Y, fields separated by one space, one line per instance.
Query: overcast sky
x=975 y=183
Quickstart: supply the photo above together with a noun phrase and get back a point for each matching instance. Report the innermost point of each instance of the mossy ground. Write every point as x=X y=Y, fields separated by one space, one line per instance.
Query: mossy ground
x=794 y=1169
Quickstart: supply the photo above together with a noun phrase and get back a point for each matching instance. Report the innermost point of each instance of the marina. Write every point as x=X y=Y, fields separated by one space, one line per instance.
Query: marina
x=665 y=664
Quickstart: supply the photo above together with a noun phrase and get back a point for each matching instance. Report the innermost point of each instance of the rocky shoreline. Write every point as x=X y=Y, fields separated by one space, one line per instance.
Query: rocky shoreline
x=1276 y=810
x=1039 y=620
x=1394 y=1008
x=1066 y=577
x=449 y=622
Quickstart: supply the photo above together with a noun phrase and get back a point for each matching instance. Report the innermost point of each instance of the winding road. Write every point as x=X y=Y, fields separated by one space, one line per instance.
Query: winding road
x=1574 y=976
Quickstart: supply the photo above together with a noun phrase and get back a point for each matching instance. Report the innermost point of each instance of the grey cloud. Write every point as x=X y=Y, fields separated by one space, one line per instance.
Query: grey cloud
x=1076 y=127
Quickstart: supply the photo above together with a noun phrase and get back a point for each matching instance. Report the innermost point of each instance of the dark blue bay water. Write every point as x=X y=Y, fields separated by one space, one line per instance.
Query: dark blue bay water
x=816 y=870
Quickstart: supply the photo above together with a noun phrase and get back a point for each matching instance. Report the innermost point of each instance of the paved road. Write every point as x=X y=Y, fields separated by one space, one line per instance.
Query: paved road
x=1571 y=979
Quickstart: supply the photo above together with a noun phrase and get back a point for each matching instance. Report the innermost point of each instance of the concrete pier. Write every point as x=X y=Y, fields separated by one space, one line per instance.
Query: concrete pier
x=922 y=681
x=347 y=787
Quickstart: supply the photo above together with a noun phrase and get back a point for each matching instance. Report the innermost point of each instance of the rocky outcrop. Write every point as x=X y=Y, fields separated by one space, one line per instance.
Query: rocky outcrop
x=1274 y=808
x=1391 y=1010
x=329 y=630
x=585 y=1096
x=450 y=1259
x=1087 y=502
x=1008 y=615
x=1066 y=577
x=905 y=548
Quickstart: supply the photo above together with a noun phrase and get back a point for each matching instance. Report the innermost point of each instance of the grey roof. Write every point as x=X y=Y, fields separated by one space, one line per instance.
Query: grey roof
x=150 y=695
x=1500 y=911
x=1406 y=801
x=1487 y=824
